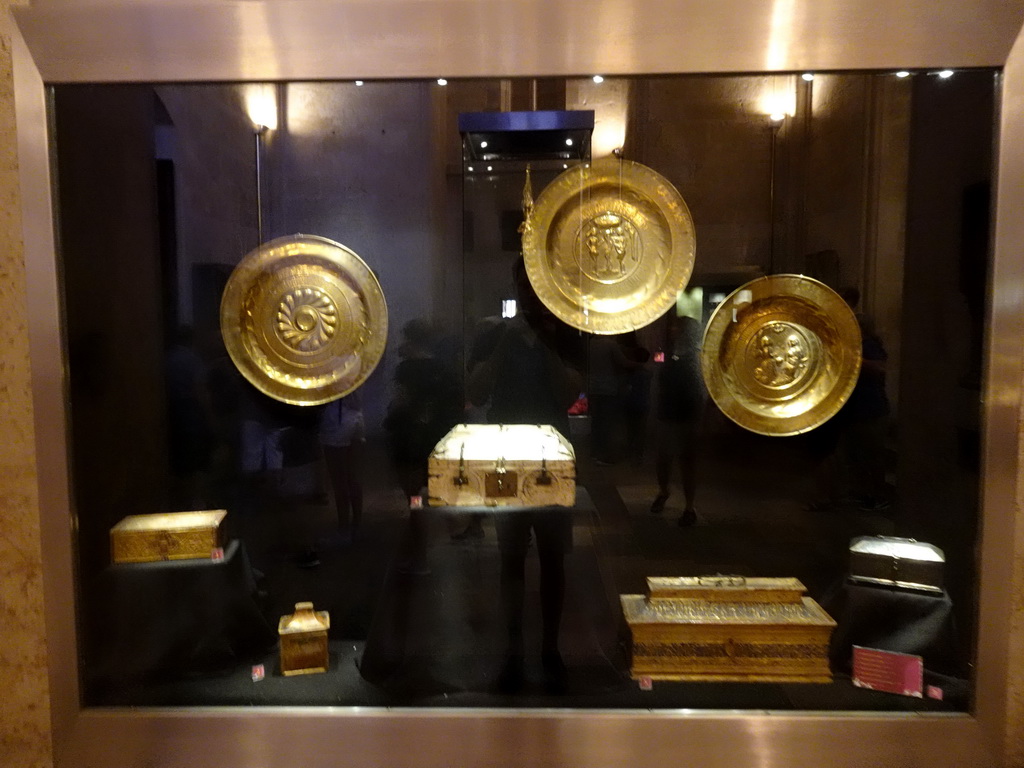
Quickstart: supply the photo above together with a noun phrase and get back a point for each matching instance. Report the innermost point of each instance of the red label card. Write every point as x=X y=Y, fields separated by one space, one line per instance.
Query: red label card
x=888 y=671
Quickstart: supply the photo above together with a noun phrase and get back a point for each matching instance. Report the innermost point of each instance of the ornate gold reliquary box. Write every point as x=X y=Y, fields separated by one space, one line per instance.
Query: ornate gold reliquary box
x=167 y=536
x=303 y=636
x=728 y=629
x=502 y=465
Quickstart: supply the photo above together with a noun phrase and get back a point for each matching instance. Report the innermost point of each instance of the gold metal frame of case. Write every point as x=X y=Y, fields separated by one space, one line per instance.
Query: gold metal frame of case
x=781 y=354
x=64 y=42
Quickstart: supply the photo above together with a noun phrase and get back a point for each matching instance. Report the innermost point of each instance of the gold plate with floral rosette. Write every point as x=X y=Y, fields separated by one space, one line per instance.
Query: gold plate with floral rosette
x=609 y=245
x=781 y=354
x=304 y=319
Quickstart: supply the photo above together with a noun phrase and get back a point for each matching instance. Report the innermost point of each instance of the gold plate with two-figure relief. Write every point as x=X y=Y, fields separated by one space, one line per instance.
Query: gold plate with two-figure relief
x=304 y=319
x=609 y=245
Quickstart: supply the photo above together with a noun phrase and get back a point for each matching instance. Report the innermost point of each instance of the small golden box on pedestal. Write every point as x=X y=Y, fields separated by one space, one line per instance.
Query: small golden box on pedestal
x=728 y=628
x=304 y=641
x=167 y=536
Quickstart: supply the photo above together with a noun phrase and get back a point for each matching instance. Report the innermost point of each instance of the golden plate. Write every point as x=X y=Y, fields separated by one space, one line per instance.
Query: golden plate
x=304 y=319
x=609 y=246
x=781 y=354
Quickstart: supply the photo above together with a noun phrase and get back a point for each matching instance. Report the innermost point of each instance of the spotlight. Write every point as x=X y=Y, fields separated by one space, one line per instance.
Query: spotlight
x=946 y=74
x=598 y=79
x=483 y=145
x=442 y=81
x=568 y=142
x=903 y=73
x=808 y=76
x=359 y=82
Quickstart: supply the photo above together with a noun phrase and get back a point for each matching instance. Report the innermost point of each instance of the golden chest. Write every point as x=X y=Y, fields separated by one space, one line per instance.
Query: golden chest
x=167 y=536
x=728 y=629
x=303 y=637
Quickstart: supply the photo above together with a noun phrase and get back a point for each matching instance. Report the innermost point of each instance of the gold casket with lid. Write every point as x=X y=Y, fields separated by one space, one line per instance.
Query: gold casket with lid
x=167 y=536
x=502 y=465
x=728 y=628
x=303 y=636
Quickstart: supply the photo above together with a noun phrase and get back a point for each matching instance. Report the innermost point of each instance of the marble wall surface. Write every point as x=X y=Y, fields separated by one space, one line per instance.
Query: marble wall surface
x=25 y=712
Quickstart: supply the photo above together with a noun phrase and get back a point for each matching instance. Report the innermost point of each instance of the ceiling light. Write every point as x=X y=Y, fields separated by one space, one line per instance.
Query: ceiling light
x=946 y=74
x=483 y=145
x=359 y=82
x=442 y=81
x=598 y=79
x=808 y=76
x=490 y=168
x=471 y=169
x=568 y=142
x=903 y=73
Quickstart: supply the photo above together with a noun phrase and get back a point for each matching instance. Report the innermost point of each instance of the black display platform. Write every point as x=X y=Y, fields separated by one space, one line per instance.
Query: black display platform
x=893 y=619
x=179 y=618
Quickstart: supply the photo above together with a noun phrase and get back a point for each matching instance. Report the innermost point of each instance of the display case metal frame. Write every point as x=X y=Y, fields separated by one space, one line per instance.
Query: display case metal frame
x=60 y=41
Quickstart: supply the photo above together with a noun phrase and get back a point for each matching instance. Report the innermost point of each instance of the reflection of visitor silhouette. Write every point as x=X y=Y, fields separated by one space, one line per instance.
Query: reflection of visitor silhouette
x=265 y=423
x=681 y=401
x=427 y=402
x=850 y=447
x=615 y=395
x=865 y=418
x=525 y=374
x=635 y=394
x=278 y=439
x=191 y=435
x=342 y=435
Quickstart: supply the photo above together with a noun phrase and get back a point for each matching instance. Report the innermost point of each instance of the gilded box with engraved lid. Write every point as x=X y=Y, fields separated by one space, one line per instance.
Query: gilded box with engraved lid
x=728 y=629
x=167 y=536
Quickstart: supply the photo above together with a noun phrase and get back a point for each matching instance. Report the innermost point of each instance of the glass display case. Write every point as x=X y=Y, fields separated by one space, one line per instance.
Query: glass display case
x=848 y=183
x=430 y=187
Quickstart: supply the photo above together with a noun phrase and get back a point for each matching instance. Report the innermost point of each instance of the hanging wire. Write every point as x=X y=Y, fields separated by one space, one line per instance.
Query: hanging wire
x=581 y=245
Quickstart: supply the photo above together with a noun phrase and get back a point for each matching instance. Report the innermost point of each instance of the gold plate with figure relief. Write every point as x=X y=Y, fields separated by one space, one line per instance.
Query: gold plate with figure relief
x=609 y=245
x=304 y=319
x=781 y=354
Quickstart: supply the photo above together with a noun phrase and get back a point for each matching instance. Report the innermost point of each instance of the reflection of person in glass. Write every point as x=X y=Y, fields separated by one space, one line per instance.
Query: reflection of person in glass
x=342 y=435
x=681 y=400
x=427 y=403
x=190 y=420
x=865 y=417
x=523 y=372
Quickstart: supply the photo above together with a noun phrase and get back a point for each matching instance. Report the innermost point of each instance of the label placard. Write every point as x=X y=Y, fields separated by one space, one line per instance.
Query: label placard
x=888 y=671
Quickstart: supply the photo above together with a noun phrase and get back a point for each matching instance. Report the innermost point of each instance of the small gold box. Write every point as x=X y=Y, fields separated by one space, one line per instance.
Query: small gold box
x=719 y=629
x=167 y=536
x=304 y=641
